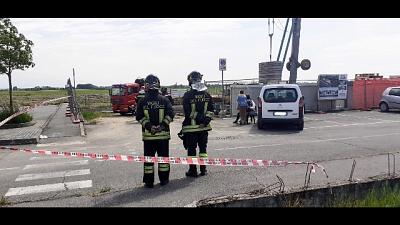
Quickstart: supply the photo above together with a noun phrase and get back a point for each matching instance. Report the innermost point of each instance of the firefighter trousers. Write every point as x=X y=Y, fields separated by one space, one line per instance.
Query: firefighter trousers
x=194 y=139
x=161 y=147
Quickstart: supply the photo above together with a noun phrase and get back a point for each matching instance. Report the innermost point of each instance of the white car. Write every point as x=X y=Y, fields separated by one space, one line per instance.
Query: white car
x=281 y=103
x=390 y=99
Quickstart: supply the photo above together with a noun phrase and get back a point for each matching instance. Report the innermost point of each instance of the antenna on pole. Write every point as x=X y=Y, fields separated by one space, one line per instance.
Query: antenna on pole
x=73 y=74
x=270 y=36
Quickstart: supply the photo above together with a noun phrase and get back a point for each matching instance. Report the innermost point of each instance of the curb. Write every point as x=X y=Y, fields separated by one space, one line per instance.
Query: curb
x=82 y=127
x=32 y=140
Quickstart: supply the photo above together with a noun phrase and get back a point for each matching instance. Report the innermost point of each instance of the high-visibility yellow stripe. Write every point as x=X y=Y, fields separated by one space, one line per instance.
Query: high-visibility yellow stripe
x=163 y=167
x=195 y=128
x=193 y=110
x=166 y=121
x=205 y=107
x=149 y=169
x=156 y=138
x=193 y=121
x=160 y=115
x=162 y=133
x=203 y=155
x=168 y=118
x=146 y=114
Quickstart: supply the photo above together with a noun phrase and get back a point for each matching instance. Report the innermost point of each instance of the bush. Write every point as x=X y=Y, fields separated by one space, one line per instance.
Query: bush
x=5 y=113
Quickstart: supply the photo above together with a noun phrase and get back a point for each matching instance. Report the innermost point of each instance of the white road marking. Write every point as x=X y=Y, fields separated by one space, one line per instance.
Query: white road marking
x=306 y=142
x=33 y=166
x=353 y=124
x=38 y=176
x=49 y=188
x=48 y=157
x=330 y=121
x=10 y=168
x=61 y=144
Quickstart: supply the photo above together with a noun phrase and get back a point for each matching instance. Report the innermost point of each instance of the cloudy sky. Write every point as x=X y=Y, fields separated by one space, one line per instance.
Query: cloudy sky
x=106 y=51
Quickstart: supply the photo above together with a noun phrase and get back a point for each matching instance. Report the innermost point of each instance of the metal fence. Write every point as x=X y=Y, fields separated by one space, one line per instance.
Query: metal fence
x=72 y=103
x=94 y=102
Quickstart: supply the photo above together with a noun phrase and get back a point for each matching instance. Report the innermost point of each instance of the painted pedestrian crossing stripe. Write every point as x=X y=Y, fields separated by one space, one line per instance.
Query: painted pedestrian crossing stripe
x=34 y=166
x=50 y=187
x=58 y=174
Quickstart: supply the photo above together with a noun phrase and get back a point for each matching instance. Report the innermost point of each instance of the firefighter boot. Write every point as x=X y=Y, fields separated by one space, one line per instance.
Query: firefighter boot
x=203 y=170
x=192 y=172
x=148 y=185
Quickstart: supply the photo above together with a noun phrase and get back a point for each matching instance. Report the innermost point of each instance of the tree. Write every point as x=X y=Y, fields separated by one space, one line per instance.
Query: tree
x=15 y=52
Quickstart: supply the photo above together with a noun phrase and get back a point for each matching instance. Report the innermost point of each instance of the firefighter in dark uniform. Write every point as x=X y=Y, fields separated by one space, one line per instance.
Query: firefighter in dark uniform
x=164 y=92
x=141 y=94
x=198 y=109
x=155 y=113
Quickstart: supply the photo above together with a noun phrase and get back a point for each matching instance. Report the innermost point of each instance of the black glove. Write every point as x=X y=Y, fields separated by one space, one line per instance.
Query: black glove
x=162 y=127
x=153 y=130
x=207 y=121
x=147 y=126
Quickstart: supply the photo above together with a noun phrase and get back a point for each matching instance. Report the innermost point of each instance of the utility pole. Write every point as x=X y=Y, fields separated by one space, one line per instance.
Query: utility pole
x=223 y=92
x=73 y=74
x=296 y=26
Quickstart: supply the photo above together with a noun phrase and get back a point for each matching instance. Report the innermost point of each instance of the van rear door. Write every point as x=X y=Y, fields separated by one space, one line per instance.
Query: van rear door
x=280 y=103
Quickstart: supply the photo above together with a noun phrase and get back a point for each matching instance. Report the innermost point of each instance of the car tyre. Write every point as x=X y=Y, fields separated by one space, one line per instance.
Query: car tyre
x=384 y=107
x=260 y=125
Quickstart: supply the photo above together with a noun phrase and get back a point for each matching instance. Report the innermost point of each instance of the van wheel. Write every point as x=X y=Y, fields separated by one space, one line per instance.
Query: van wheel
x=260 y=125
x=300 y=126
x=384 y=107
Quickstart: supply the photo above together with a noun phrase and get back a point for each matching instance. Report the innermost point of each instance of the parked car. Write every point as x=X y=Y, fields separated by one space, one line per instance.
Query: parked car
x=390 y=99
x=281 y=103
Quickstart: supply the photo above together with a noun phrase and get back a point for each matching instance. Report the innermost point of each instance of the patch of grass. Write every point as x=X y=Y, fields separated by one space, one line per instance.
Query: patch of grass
x=102 y=191
x=384 y=197
x=89 y=115
x=4 y=202
x=23 y=118
x=105 y=189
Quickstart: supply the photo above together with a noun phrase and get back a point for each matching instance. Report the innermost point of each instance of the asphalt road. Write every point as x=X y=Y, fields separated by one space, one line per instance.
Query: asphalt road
x=332 y=139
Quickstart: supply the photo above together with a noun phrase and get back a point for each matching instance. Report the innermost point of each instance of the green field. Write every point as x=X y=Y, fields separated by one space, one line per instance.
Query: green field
x=88 y=100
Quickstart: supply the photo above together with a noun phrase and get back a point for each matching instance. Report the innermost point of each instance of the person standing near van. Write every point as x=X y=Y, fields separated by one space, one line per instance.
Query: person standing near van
x=251 y=110
x=242 y=106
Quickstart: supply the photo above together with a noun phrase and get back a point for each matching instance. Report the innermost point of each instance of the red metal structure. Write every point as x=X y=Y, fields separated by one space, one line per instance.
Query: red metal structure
x=124 y=98
x=367 y=92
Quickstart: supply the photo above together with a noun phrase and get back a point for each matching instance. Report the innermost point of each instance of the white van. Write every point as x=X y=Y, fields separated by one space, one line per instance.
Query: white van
x=281 y=103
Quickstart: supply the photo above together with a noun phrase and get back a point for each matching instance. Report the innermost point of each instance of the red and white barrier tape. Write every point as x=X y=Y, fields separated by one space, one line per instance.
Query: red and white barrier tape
x=174 y=160
x=26 y=109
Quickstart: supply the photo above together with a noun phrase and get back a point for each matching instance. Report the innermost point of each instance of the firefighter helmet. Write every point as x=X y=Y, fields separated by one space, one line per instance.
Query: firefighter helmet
x=140 y=81
x=194 y=77
x=152 y=82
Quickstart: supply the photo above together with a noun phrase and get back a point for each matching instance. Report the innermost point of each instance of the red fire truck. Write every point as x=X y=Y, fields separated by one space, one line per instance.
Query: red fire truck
x=123 y=98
